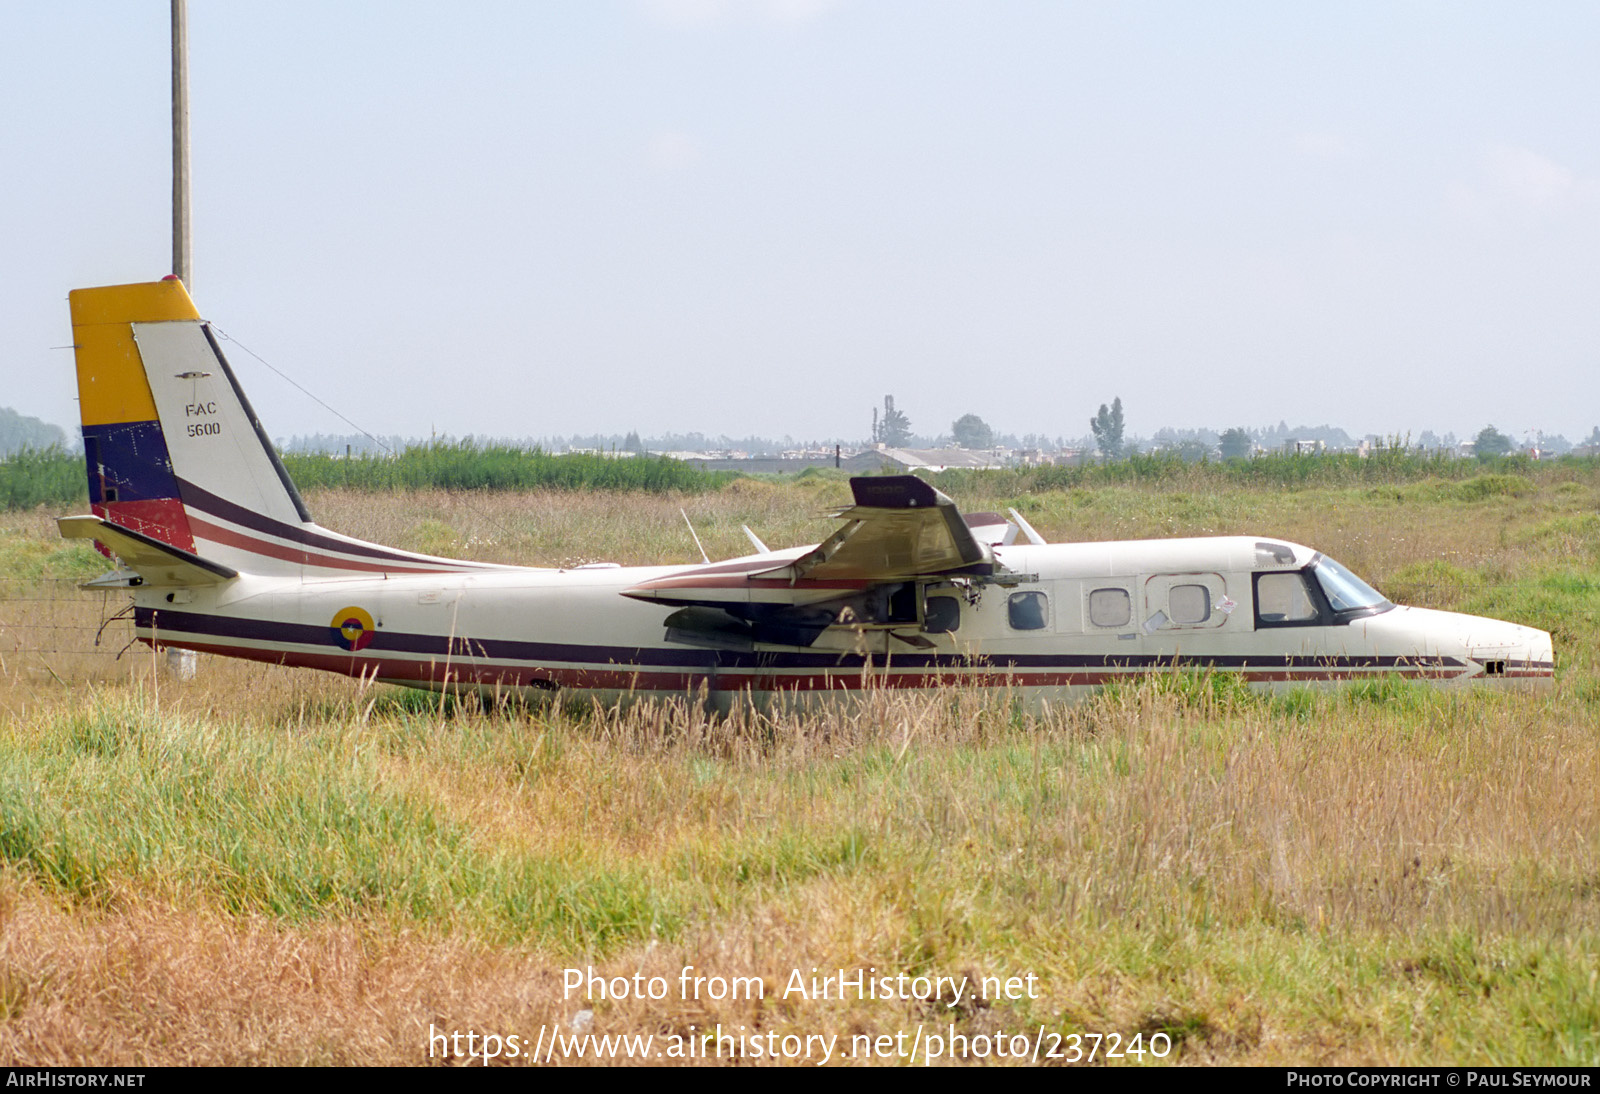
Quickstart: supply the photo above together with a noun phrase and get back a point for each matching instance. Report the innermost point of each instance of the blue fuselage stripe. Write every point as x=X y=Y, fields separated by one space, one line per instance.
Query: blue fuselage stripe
x=502 y=649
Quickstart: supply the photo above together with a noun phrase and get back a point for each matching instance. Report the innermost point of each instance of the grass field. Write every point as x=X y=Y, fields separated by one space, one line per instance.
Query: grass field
x=270 y=866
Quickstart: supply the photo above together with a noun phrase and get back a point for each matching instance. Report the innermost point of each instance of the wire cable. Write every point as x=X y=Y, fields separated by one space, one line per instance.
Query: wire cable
x=226 y=337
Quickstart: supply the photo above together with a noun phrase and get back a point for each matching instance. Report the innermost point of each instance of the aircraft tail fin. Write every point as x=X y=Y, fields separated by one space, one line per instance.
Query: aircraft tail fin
x=131 y=481
x=175 y=452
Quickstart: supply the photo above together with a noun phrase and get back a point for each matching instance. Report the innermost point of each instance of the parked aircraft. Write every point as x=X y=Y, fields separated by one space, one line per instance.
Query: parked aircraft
x=221 y=555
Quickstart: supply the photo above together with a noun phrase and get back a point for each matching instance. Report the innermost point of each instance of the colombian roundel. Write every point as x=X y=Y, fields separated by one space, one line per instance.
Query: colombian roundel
x=352 y=628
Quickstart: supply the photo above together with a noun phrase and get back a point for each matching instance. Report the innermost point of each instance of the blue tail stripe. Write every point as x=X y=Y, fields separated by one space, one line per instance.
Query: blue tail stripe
x=130 y=458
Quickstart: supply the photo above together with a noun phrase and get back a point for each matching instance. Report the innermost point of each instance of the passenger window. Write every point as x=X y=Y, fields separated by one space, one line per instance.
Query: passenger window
x=1283 y=598
x=941 y=614
x=1110 y=608
x=1028 y=611
x=1189 y=604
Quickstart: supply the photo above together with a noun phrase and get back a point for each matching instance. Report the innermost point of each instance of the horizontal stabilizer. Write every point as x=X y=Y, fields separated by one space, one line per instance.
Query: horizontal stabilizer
x=155 y=563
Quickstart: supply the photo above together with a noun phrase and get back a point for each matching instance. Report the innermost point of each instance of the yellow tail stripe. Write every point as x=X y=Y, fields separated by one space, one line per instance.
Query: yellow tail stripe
x=111 y=382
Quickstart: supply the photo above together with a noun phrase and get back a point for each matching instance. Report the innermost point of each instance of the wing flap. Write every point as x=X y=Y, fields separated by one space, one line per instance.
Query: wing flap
x=155 y=563
x=899 y=527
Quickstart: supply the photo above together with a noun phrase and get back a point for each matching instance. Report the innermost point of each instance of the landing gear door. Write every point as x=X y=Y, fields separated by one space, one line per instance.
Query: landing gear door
x=1185 y=602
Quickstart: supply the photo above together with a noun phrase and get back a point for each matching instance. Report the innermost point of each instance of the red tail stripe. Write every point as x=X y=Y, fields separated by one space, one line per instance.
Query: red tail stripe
x=158 y=518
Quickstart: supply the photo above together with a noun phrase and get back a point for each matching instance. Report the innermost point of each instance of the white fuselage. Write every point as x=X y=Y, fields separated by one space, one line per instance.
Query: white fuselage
x=1087 y=613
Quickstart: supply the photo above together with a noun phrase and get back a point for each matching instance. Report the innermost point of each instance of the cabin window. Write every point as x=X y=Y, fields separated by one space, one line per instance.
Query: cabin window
x=1284 y=599
x=1189 y=604
x=1273 y=554
x=941 y=614
x=1028 y=611
x=1110 y=608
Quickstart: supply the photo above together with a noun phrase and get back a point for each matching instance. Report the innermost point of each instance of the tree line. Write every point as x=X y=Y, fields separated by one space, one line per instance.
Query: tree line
x=1108 y=430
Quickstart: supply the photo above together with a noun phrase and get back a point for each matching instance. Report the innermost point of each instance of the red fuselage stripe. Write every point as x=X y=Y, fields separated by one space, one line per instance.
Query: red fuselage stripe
x=623 y=679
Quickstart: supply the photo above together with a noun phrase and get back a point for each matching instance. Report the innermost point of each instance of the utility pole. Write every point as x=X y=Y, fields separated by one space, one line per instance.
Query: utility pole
x=182 y=262
x=181 y=663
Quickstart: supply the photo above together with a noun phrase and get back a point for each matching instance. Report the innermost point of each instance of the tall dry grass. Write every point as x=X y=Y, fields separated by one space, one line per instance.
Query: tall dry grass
x=1266 y=881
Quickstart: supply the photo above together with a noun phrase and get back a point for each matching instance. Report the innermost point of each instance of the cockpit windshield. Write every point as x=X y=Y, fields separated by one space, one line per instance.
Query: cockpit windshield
x=1345 y=591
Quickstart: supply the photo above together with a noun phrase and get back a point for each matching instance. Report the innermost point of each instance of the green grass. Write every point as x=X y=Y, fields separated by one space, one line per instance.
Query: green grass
x=27 y=562
x=466 y=465
x=293 y=828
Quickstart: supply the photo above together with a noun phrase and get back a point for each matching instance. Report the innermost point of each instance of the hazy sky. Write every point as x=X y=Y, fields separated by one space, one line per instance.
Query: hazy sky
x=760 y=216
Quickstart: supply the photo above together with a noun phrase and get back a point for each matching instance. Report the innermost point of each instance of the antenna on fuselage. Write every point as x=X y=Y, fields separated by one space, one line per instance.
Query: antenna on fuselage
x=1033 y=537
x=703 y=556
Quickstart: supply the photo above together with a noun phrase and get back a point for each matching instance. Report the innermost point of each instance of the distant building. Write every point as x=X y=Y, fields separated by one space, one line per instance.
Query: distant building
x=880 y=458
x=1038 y=457
x=943 y=459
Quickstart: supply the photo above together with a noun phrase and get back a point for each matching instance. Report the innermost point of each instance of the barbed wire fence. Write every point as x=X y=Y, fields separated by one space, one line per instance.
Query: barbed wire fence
x=53 y=628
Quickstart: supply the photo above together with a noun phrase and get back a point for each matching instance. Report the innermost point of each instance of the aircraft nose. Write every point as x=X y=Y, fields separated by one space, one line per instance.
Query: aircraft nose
x=1486 y=649
x=1509 y=650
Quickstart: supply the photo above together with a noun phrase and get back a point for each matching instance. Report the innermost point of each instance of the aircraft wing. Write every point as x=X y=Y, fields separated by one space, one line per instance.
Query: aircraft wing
x=899 y=527
x=898 y=530
x=153 y=562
